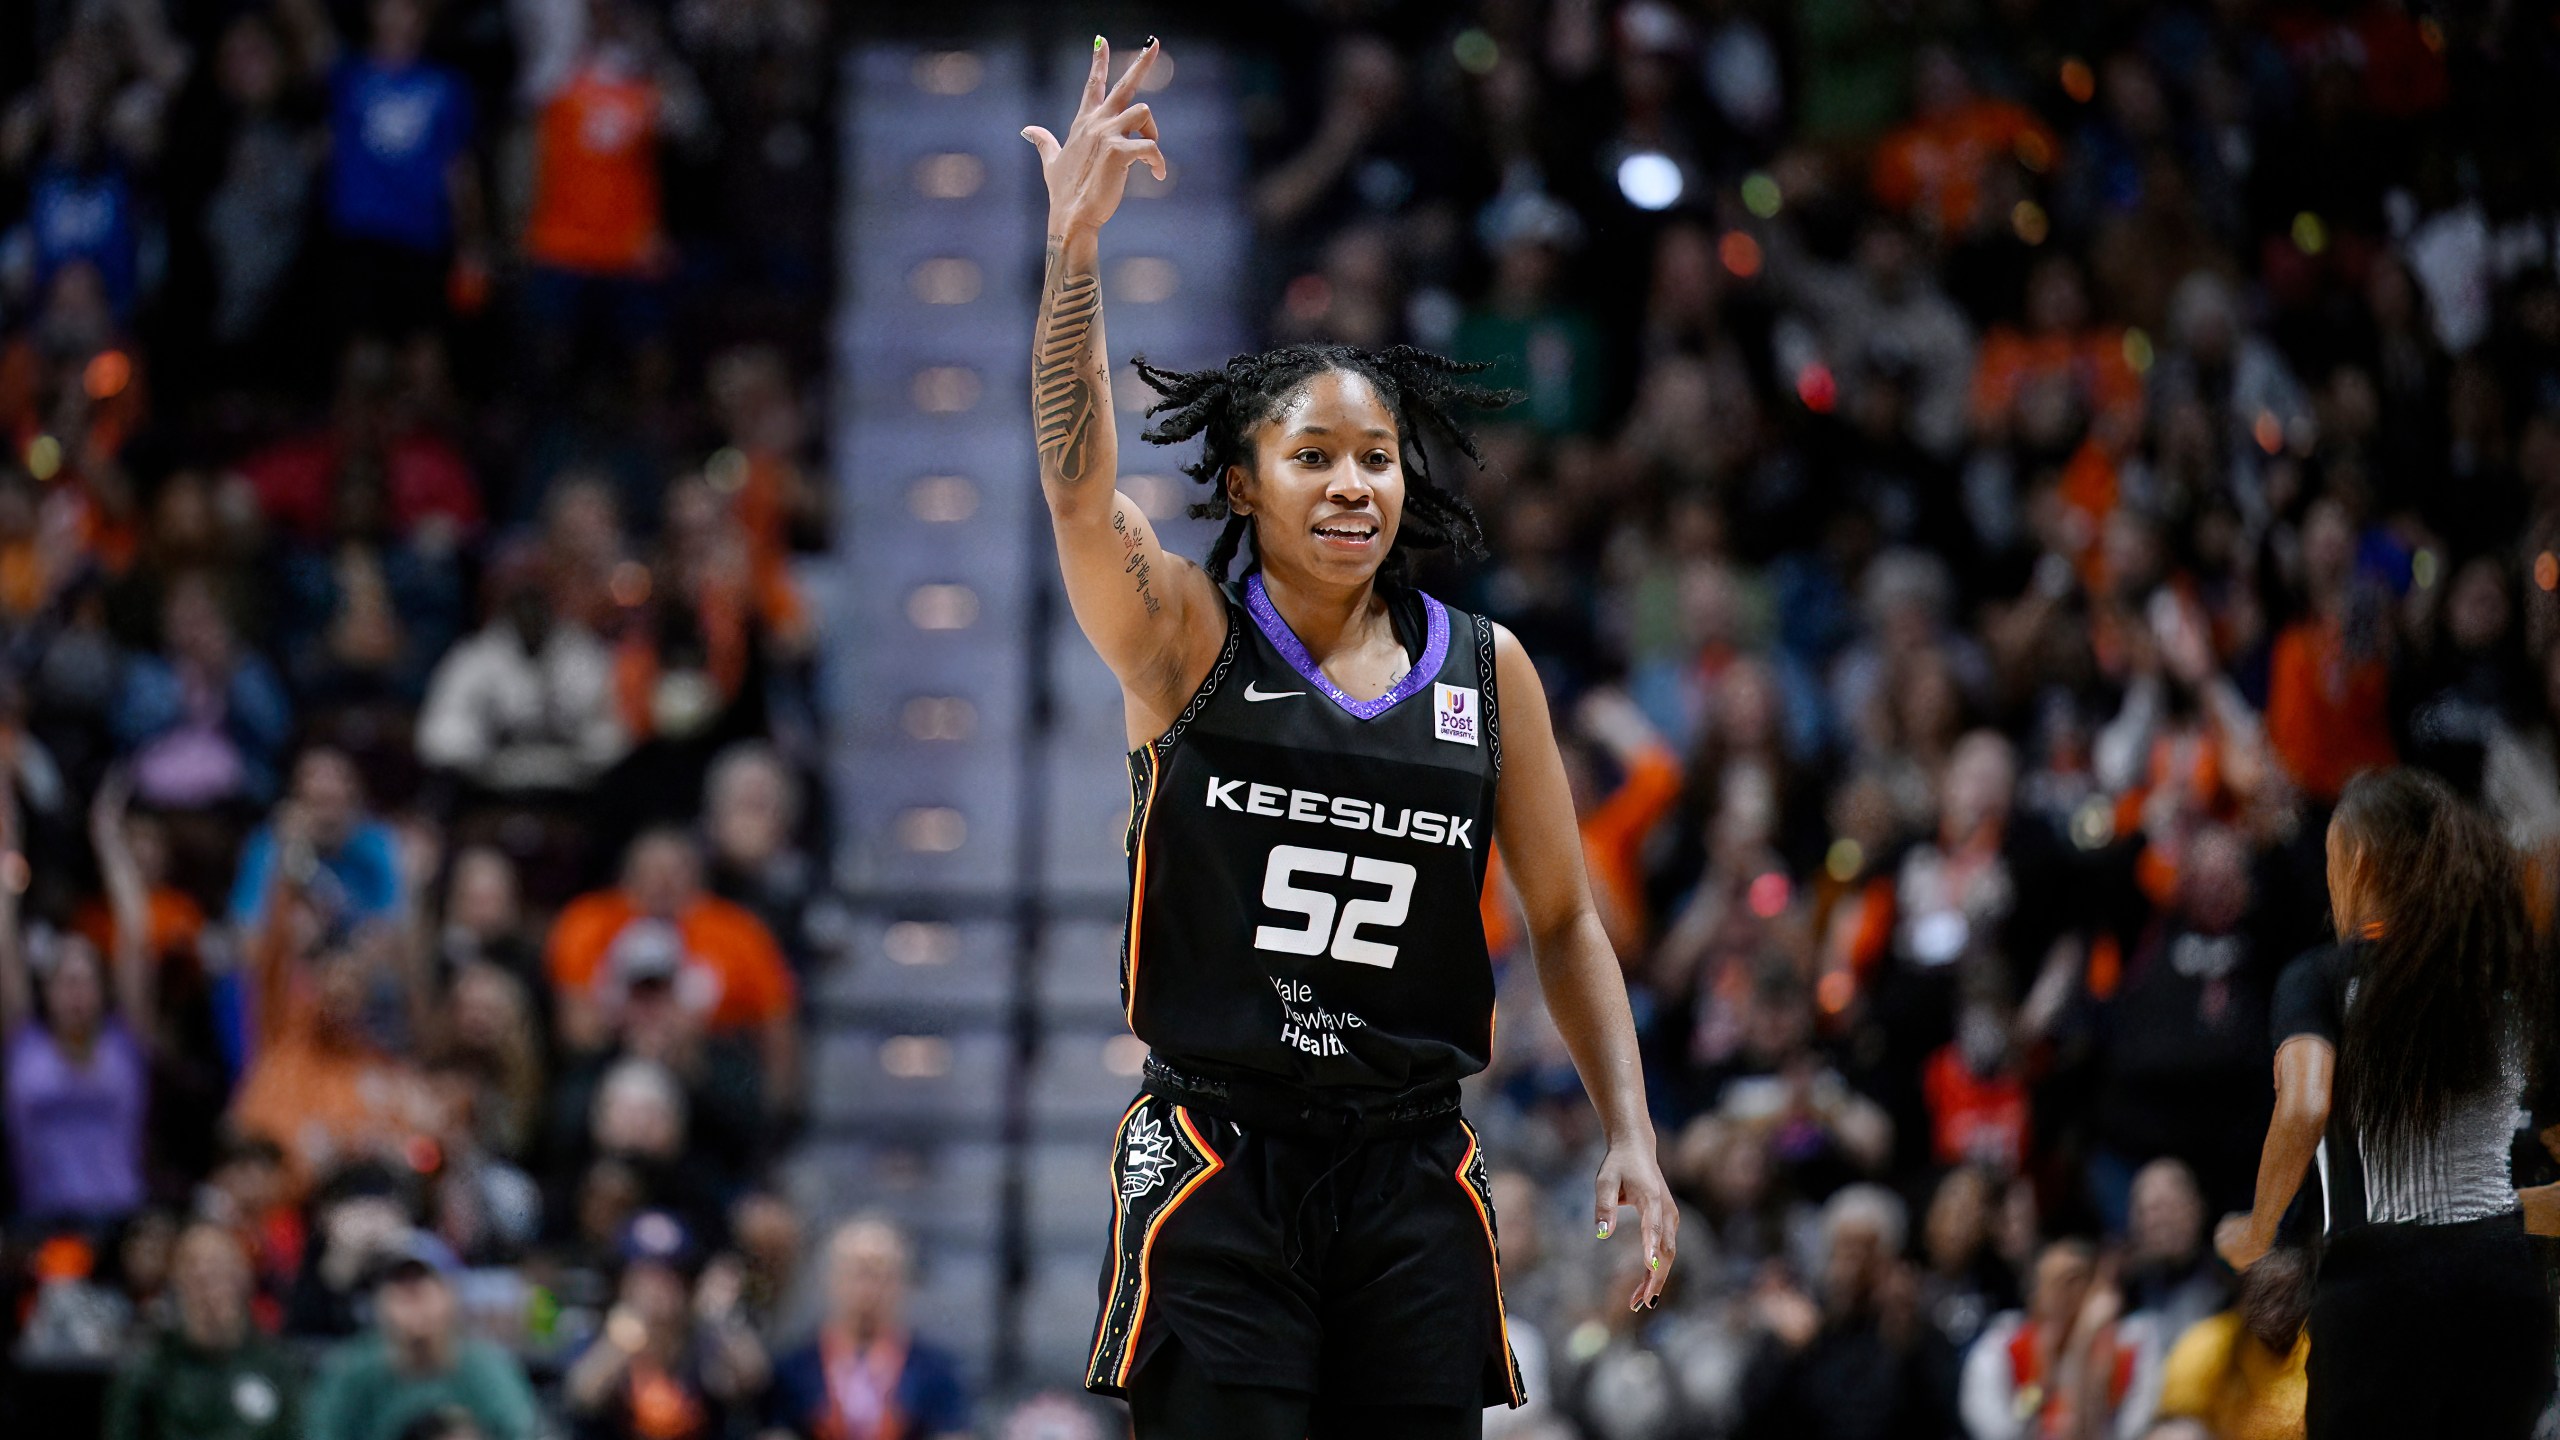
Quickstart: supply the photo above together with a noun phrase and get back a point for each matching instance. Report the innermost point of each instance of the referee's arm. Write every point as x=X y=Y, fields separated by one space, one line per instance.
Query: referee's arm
x=1577 y=968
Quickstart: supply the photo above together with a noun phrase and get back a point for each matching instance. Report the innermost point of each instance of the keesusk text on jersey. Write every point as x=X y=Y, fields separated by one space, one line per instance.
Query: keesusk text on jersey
x=1343 y=812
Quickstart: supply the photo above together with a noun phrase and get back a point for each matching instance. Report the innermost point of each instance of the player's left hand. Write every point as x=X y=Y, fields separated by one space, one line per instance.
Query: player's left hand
x=1630 y=1176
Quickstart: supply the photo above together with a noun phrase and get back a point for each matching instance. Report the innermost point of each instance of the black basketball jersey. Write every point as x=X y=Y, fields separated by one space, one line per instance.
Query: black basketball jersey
x=1305 y=868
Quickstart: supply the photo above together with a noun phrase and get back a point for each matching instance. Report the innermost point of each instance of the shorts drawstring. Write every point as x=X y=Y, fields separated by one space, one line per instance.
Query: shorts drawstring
x=1346 y=1145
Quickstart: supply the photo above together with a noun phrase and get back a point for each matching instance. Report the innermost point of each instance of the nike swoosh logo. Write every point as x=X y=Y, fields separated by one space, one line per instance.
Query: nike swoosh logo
x=1252 y=694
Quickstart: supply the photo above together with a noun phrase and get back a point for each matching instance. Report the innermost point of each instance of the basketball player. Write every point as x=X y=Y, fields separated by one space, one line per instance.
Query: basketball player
x=2429 y=1320
x=1322 y=758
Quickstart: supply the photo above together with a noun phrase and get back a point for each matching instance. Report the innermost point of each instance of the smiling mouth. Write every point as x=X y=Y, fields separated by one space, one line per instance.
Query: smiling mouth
x=1347 y=532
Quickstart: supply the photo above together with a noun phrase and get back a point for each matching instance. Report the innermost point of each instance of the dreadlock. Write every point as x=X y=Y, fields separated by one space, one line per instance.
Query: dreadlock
x=1424 y=391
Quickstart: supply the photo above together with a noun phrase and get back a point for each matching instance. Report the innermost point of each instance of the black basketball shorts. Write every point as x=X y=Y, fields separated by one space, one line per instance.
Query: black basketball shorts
x=1364 y=1272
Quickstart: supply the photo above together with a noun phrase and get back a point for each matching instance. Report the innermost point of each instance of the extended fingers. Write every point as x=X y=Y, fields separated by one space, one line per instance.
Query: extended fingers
x=1136 y=75
x=1094 y=78
x=1651 y=1285
x=1661 y=1245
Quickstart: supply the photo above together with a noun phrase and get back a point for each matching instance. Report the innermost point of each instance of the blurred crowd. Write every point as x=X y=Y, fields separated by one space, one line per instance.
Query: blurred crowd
x=1987 y=472
x=409 y=854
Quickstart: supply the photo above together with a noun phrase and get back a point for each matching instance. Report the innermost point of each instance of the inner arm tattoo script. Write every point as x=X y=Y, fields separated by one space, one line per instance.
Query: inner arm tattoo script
x=1062 y=382
x=1135 y=563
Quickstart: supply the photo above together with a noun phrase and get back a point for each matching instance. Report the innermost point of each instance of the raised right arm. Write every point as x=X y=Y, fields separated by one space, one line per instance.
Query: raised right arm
x=1155 y=618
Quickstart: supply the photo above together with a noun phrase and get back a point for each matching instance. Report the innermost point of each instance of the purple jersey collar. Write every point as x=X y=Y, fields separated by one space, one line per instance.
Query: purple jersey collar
x=1435 y=649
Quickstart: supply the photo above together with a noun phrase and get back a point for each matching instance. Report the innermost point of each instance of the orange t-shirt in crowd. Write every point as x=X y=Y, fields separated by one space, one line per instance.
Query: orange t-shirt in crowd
x=1937 y=163
x=1613 y=837
x=596 y=206
x=1613 y=834
x=2327 y=716
x=323 y=1105
x=733 y=968
x=326 y=1106
x=2091 y=362
x=172 y=923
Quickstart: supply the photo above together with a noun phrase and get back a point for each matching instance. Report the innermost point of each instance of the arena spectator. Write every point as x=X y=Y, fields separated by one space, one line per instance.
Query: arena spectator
x=525 y=706
x=404 y=191
x=726 y=967
x=1618 y=819
x=416 y=1361
x=205 y=720
x=674 y=1114
x=751 y=828
x=259 y=161
x=77 y=1067
x=82 y=208
x=2188 y=1021
x=379 y=469
x=330 y=1083
x=676 y=1359
x=484 y=1208
x=1963 y=1280
x=1938 y=167
x=484 y=920
x=867 y=1373
x=212 y=1375
x=491 y=1043
x=765 y=1231
x=2241 y=1372
x=596 y=232
x=1533 y=339
x=2071 y=1363
x=2167 y=1273
x=322 y=849
x=2039 y=385
x=2328 y=678
x=1858 y=1361
x=245 y=1192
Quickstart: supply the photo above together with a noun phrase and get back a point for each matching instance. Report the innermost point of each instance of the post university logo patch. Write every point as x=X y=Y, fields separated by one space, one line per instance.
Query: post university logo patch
x=1453 y=714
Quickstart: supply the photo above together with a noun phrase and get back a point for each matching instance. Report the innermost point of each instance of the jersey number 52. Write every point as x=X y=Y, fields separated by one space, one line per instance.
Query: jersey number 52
x=1320 y=935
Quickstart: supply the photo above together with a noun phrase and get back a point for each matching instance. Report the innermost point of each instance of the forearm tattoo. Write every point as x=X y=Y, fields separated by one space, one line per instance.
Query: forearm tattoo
x=1062 y=384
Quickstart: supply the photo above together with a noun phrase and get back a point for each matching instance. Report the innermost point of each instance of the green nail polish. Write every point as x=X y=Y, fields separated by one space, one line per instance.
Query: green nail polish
x=1653 y=1262
x=1604 y=1231
x=1097 y=44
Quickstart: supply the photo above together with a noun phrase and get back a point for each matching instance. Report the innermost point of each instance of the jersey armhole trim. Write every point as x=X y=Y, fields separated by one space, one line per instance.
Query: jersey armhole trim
x=1492 y=689
x=1208 y=687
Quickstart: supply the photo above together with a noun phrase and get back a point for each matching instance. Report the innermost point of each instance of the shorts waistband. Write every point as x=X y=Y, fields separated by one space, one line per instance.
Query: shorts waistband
x=1341 y=1116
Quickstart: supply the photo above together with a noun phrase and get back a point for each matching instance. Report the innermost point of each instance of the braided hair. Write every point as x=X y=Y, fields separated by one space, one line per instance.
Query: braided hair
x=1425 y=392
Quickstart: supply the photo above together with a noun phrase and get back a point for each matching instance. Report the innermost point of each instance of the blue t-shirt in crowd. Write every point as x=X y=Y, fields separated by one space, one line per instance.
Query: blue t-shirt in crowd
x=356 y=883
x=928 y=1398
x=393 y=134
x=359 y=881
x=78 y=216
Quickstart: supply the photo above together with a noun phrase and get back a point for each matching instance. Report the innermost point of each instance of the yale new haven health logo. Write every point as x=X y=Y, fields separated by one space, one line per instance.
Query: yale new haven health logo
x=1453 y=713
